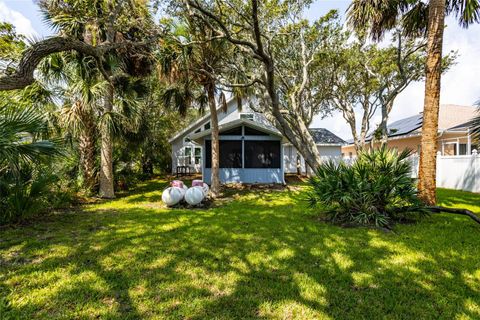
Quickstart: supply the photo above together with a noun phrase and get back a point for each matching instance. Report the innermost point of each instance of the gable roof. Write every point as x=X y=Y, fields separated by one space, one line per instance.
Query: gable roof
x=236 y=123
x=324 y=136
x=189 y=127
x=196 y=123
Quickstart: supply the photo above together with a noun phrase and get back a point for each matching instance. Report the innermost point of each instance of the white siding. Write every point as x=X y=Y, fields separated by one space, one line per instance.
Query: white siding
x=292 y=158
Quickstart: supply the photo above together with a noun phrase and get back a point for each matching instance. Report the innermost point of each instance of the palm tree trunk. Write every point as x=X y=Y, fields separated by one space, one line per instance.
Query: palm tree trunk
x=428 y=155
x=106 y=153
x=215 y=178
x=87 y=153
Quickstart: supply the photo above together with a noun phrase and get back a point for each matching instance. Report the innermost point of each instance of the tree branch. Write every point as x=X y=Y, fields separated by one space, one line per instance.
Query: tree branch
x=23 y=76
x=464 y=212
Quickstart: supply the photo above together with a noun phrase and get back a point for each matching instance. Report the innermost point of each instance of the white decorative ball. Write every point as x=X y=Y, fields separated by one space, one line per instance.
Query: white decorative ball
x=194 y=195
x=172 y=195
x=205 y=189
x=183 y=190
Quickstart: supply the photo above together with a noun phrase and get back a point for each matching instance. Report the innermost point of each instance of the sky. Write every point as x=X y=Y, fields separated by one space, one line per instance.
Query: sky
x=460 y=85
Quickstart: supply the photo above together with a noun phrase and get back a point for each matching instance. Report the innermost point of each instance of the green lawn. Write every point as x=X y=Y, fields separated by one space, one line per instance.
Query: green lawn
x=257 y=255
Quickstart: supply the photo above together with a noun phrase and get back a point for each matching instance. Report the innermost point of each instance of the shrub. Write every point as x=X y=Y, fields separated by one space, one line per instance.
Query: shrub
x=377 y=189
x=31 y=191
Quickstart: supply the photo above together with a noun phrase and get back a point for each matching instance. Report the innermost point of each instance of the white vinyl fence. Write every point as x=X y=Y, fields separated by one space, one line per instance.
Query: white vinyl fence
x=455 y=172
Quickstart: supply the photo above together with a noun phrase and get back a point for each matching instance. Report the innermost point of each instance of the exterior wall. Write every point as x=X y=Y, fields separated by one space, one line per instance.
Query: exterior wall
x=413 y=143
x=242 y=175
x=294 y=162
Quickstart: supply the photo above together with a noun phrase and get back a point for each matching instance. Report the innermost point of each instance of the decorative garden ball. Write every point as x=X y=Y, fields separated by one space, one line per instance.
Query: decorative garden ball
x=197 y=183
x=172 y=195
x=200 y=183
x=177 y=183
x=194 y=195
x=183 y=190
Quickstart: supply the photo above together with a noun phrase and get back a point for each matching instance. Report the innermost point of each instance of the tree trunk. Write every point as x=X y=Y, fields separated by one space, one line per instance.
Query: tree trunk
x=86 y=144
x=383 y=124
x=147 y=166
x=428 y=154
x=106 y=152
x=215 y=177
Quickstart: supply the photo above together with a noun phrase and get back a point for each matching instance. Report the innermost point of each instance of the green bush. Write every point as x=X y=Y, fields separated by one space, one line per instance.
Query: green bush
x=31 y=191
x=377 y=189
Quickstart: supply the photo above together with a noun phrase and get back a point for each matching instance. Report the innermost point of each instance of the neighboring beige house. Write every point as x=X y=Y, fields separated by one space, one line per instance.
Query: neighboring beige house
x=453 y=133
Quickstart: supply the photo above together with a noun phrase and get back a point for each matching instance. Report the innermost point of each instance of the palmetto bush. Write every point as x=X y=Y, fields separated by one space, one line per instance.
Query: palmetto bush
x=375 y=190
x=25 y=184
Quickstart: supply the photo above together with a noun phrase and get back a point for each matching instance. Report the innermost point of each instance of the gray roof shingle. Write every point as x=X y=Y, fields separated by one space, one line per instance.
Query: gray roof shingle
x=323 y=136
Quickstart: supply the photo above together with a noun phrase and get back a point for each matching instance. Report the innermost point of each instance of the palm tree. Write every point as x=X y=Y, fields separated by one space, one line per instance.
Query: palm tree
x=95 y=23
x=418 y=18
x=198 y=61
x=19 y=143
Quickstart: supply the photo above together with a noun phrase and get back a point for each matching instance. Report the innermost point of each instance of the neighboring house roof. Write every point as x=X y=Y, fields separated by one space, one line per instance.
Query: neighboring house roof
x=451 y=117
x=461 y=127
x=323 y=136
x=405 y=126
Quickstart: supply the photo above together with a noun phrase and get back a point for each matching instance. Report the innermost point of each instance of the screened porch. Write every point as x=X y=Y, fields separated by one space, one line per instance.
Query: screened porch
x=249 y=153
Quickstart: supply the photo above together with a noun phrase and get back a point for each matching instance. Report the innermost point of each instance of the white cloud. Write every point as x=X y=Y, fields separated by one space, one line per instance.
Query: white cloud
x=21 y=23
x=460 y=85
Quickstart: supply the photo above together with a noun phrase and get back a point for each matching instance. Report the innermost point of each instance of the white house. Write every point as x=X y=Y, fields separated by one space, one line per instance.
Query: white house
x=251 y=149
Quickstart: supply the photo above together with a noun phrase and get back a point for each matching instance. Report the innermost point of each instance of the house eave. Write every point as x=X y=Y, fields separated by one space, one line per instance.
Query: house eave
x=232 y=124
x=195 y=123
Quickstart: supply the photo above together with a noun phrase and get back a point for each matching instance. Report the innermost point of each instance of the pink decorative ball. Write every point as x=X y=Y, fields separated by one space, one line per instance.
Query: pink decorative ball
x=197 y=183
x=177 y=183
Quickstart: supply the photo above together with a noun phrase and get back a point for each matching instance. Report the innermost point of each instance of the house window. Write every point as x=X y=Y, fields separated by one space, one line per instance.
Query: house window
x=247 y=116
x=206 y=126
x=463 y=149
x=198 y=130
x=230 y=153
x=198 y=155
x=262 y=154
x=187 y=155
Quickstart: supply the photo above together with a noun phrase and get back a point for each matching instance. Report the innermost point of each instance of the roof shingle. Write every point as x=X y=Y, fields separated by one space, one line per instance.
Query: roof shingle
x=323 y=136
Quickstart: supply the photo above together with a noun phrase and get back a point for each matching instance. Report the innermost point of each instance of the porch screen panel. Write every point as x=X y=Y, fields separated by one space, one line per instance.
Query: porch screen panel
x=262 y=154
x=230 y=154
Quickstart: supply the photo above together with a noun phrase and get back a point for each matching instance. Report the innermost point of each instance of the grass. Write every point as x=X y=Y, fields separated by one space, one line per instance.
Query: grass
x=262 y=255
